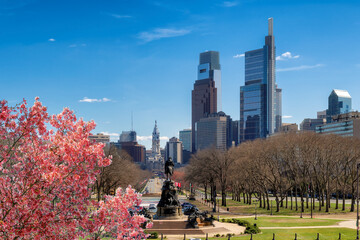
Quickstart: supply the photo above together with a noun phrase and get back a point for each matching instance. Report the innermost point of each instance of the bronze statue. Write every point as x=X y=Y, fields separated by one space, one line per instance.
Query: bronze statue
x=169 y=168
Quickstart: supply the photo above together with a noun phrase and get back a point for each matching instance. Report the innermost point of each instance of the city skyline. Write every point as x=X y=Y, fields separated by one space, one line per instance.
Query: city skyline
x=119 y=57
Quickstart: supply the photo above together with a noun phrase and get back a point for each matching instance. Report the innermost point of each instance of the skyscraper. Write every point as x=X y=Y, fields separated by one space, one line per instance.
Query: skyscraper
x=128 y=136
x=205 y=94
x=339 y=103
x=215 y=131
x=260 y=99
x=174 y=149
x=185 y=138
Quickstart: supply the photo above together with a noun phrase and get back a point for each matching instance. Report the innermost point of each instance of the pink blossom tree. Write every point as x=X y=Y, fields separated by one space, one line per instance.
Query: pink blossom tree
x=47 y=167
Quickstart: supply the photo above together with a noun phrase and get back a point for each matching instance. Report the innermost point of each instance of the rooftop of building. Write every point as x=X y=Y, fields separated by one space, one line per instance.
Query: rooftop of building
x=342 y=93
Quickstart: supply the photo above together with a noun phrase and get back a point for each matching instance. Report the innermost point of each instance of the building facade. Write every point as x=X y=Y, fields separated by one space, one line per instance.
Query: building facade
x=214 y=131
x=260 y=99
x=128 y=136
x=339 y=102
x=100 y=138
x=186 y=139
x=135 y=150
x=174 y=149
x=204 y=97
x=309 y=124
x=346 y=125
x=289 y=127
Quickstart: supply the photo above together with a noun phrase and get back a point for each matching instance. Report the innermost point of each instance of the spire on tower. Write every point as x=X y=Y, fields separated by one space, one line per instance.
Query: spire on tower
x=270 y=23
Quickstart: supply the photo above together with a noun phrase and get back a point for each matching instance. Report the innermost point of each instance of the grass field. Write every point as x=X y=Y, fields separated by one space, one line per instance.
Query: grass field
x=302 y=234
x=290 y=221
x=240 y=207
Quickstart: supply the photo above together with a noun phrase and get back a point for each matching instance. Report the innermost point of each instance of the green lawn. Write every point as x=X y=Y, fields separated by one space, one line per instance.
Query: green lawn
x=290 y=221
x=240 y=207
x=302 y=234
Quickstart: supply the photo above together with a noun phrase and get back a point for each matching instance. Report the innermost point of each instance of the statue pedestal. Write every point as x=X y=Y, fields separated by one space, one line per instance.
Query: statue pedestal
x=171 y=212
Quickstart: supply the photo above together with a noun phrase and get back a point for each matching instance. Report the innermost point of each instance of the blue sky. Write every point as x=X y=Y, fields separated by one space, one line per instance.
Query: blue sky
x=106 y=59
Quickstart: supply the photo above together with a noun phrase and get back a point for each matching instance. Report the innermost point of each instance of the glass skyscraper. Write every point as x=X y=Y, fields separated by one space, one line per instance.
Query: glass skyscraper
x=260 y=99
x=206 y=95
x=339 y=103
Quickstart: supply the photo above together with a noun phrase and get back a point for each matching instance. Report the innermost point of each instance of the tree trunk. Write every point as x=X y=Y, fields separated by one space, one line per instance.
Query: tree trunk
x=223 y=196
x=205 y=187
x=260 y=200
x=264 y=206
x=343 y=200
x=277 y=204
x=291 y=200
x=267 y=201
x=296 y=202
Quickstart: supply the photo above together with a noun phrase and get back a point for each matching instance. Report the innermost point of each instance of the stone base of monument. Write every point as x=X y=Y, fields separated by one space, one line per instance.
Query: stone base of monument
x=181 y=226
x=169 y=213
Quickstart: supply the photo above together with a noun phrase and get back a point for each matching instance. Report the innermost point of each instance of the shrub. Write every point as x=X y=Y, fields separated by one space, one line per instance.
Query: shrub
x=252 y=229
x=153 y=235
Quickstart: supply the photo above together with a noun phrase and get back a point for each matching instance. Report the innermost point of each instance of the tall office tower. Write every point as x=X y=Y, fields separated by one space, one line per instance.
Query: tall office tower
x=339 y=103
x=278 y=108
x=155 y=141
x=260 y=99
x=174 y=149
x=209 y=67
x=214 y=130
x=185 y=138
x=205 y=94
x=128 y=136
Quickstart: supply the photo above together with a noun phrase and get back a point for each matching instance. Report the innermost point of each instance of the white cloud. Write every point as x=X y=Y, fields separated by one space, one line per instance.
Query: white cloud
x=77 y=45
x=51 y=40
x=143 y=138
x=239 y=55
x=303 y=67
x=111 y=134
x=149 y=138
x=286 y=117
x=286 y=56
x=118 y=16
x=91 y=100
x=230 y=4
x=159 y=33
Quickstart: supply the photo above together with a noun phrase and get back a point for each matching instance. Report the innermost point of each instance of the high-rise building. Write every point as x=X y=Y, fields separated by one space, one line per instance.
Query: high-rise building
x=174 y=149
x=135 y=150
x=205 y=95
x=185 y=138
x=100 y=137
x=309 y=124
x=235 y=132
x=260 y=99
x=321 y=114
x=339 y=103
x=214 y=131
x=209 y=67
x=346 y=125
x=128 y=136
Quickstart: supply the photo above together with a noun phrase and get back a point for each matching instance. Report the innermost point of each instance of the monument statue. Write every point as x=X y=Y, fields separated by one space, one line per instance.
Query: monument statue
x=169 y=168
x=169 y=205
